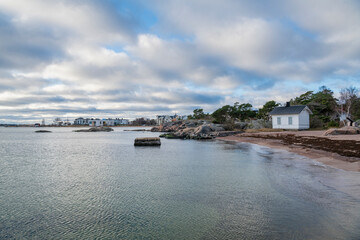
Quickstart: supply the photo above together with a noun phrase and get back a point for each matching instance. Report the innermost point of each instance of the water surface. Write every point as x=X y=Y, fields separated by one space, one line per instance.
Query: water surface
x=66 y=185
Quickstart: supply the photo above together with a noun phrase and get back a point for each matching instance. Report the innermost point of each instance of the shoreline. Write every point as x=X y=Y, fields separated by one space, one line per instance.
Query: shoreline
x=328 y=158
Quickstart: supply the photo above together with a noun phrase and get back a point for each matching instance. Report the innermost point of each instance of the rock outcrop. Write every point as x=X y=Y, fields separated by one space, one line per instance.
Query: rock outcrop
x=343 y=131
x=193 y=129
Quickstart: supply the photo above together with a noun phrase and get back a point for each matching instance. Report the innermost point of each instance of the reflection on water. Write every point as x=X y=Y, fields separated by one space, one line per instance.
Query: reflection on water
x=98 y=185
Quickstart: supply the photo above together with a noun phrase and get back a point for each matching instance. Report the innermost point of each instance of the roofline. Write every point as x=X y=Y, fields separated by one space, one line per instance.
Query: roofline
x=305 y=108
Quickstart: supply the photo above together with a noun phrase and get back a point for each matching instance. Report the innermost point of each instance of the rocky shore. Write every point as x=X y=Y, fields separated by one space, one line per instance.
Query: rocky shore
x=193 y=129
x=338 y=150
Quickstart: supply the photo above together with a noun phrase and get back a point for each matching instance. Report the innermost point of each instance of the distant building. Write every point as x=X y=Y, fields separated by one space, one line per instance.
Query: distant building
x=81 y=121
x=161 y=119
x=121 y=121
x=58 y=122
x=67 y=123
x=291 y=117
x=96 y=122
x=109 y=122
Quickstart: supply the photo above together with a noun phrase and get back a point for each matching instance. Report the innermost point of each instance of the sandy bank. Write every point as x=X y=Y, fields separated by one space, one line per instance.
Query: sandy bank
x=342 y=151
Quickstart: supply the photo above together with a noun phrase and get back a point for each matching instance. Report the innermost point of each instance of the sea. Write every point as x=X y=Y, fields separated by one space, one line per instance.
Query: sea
x=97 y=185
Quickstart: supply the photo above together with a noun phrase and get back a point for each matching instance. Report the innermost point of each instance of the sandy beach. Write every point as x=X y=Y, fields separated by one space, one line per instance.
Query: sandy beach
x=339 y=151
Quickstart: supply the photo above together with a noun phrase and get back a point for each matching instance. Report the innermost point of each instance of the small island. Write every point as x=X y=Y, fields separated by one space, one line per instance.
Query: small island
x=43 y=131
x=95 y=129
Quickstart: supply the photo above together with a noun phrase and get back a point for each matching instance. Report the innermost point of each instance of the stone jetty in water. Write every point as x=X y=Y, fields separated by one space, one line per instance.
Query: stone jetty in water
x=147 y=141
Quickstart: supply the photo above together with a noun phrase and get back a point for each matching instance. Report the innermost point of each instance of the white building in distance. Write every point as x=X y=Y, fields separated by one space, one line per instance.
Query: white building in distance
x=291 y=117
x=81 y=121
x=101 y=122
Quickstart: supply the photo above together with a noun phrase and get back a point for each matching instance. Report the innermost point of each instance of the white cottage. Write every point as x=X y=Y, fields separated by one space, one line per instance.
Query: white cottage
x=291 y=117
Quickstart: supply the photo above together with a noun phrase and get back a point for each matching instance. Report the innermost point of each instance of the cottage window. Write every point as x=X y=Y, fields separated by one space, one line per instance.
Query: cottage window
x=290 y=120
x=279 y=121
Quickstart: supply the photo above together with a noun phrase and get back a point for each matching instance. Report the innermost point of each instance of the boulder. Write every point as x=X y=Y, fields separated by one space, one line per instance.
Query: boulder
x=343 y=131
x=357 y=123
x=155 y=129
x=203 y=129
x=259 y=123
x=241 y=125
x=216 y=127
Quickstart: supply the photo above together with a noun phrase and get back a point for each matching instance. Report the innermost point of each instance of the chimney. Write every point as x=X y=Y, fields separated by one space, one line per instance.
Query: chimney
x=287 y=104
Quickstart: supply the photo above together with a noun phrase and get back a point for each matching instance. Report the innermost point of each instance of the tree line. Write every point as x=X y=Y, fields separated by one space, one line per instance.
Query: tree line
x=328 y=111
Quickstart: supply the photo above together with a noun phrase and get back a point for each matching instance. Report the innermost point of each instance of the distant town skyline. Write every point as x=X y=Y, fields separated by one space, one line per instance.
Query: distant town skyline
x=136 y=58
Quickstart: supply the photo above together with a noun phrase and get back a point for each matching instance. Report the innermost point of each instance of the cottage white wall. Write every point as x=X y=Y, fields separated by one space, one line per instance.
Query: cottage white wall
x=304 y=120
x=285 y=121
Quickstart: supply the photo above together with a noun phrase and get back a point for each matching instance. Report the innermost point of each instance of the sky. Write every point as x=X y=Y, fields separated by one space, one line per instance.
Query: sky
x=142 y=58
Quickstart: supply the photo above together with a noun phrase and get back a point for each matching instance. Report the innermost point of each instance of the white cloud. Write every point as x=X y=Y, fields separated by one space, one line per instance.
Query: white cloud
x=202 y=53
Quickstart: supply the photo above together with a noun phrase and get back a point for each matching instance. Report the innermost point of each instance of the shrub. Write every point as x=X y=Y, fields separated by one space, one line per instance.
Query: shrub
x=333 y=123
x=316 y=122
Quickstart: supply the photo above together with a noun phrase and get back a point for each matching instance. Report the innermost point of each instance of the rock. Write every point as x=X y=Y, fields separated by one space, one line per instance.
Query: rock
x=216 y=127
x=203 y=129
x=357 y=123
x=135 y=130
x=342 y=131
x=192 y=129
x=95 y=129
x=148 y=141
x=155 y=129
x=43 y=131
x=226 y=133
x=259 y=123
x=241 y=125
x=191 y=124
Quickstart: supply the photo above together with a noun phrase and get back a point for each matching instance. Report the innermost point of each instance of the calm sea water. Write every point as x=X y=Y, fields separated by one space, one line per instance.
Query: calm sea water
x=67 y=185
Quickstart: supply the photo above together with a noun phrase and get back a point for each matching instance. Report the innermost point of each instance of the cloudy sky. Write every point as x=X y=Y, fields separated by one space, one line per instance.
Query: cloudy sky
x=132 y=58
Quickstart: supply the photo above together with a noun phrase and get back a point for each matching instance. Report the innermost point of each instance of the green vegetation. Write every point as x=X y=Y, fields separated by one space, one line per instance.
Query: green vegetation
x=168 y=136
x=198 y=114
x=323 y=104
x=325 y=107
x=229 y=113
x=266 y=109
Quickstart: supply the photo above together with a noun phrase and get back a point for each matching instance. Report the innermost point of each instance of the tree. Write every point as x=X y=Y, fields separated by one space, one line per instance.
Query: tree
x=303 y=99
x=198 y=114
x=348 y=96
x=243 y=111
x=266 y=109
x=322 y=104
x=355 y=109
x=222 y=114
x=229 y=113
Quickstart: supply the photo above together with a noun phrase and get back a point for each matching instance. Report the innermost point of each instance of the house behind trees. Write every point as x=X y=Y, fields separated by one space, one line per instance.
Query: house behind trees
x=291 y=117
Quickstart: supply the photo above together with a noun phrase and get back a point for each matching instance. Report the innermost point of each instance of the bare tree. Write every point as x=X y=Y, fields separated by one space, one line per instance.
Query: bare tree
x=347 y=97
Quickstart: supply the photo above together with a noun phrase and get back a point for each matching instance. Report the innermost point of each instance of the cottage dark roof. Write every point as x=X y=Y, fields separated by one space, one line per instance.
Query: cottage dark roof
x=287 y=110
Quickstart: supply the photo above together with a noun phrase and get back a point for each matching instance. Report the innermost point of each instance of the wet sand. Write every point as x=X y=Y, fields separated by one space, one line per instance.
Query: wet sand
x=340 y=151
